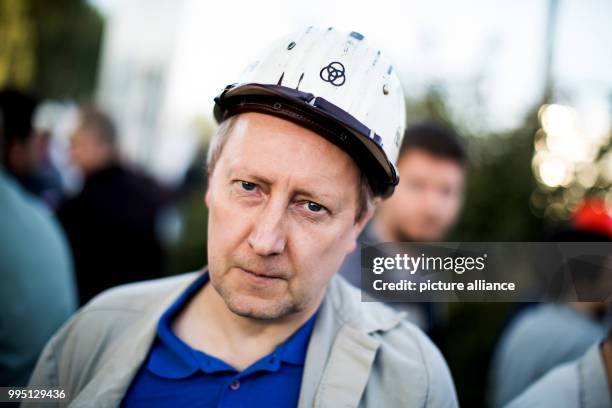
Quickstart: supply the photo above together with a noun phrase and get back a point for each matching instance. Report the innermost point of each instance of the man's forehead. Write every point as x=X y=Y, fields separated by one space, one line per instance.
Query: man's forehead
x=273 y=148
x=256 y=134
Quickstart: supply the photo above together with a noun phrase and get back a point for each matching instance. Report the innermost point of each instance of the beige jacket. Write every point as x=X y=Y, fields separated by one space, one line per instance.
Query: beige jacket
x=360 y=354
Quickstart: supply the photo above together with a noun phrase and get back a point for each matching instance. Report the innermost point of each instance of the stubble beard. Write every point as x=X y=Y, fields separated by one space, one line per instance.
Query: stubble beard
x=275 y=309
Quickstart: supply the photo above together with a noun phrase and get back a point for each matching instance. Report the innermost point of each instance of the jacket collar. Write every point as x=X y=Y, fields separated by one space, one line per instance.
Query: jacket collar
x=343 y=341
x=366 y=317
x=114 y=376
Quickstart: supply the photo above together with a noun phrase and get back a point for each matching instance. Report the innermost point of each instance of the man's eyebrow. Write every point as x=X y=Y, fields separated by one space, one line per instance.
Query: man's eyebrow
x=259 y=179
x=246 y=172
x=313 y=193
x=318 y=195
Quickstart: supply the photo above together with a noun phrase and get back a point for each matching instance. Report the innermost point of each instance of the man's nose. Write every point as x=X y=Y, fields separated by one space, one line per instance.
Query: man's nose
x=269 y=236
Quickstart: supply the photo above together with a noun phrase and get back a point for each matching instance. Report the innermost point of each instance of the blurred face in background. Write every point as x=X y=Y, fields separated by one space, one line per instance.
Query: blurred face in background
x=282 y=203
x=427 y=201
x=89 y=152
x=24 y=156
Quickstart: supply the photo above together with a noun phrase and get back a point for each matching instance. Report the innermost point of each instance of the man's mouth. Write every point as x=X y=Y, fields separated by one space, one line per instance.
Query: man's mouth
x=260 y=277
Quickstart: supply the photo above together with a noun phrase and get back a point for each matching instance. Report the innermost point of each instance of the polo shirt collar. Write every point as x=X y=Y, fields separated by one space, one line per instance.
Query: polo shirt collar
x=173 y=359
x=293 y=350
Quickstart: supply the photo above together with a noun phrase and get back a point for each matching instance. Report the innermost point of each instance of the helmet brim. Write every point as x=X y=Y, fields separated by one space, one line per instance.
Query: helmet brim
x=320 y=116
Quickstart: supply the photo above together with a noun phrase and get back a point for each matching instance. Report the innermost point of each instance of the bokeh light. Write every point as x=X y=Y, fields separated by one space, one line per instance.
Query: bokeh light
x=570 y=160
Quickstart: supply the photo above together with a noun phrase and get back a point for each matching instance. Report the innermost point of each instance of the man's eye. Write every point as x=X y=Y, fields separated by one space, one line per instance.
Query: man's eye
x=248 y=186
x=314 y=207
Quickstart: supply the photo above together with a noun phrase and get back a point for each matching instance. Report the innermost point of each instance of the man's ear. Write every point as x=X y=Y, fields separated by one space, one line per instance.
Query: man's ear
x=208 y=193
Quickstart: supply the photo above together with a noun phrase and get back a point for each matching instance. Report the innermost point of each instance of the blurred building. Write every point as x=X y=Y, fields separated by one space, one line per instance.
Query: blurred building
x=138 y=56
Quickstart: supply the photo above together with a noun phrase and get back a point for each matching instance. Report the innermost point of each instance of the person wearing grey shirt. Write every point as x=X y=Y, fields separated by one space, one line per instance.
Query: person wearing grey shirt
x=544 y=336
x=583 y=383
x=539 y=339
x=432 y=163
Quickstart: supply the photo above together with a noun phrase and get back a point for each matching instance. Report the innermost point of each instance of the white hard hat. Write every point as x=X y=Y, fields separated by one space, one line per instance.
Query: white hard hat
x=335 y=84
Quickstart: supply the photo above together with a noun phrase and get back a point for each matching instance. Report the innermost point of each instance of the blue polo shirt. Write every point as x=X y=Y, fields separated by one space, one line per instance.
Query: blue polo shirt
x=176 y=375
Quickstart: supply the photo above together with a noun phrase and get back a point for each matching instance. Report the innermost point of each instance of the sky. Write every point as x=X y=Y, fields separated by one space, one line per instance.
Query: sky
x=494 y=48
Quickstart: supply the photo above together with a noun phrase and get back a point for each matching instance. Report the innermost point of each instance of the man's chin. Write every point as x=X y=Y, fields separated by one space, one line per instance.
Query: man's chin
x=272 y=301
x=259 y=309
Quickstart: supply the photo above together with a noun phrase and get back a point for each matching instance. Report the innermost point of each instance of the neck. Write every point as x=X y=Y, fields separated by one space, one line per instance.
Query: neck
x=210 y=326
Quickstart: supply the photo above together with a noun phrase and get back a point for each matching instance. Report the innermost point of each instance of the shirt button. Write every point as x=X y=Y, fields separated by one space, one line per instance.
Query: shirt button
x=235 y=385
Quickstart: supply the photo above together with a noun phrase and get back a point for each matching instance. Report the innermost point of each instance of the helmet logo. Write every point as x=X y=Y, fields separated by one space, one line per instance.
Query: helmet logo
x=333 y=73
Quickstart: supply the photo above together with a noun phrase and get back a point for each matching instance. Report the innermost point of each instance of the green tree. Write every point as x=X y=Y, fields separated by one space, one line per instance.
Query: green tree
x=17 y=45
x=50 y=48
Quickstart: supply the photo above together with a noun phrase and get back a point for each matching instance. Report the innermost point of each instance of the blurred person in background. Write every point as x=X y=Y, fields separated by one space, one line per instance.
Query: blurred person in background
x=25 y=153
x=543 y=336
x=432 y=165
x=112 y=224
x=582 y=383
x=52 y=191
x=293 y=175
x=37 y=294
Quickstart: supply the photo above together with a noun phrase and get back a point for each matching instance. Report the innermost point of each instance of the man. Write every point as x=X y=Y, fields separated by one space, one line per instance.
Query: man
x=25 y=150
x=546 y=335
x=541 y=338
x=38 y=293
x=112 y=222
x=432 y=165
x=307 y=140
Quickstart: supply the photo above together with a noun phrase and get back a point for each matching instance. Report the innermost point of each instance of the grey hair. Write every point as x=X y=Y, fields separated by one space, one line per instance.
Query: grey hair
x=218 y=140
x=365 y=199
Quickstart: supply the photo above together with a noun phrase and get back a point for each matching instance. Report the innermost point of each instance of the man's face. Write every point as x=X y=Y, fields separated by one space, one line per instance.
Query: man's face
x=426 y=203
x=282 y=202
x=24 y=156
x=87 y=151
